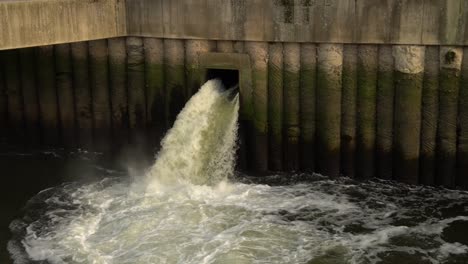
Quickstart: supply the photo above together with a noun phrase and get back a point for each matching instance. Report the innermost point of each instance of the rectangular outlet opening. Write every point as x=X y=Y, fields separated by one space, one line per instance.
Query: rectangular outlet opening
x=228 y=77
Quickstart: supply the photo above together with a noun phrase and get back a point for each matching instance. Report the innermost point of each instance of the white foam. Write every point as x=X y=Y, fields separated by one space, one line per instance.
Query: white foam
x=200 y=147
x=186 y=210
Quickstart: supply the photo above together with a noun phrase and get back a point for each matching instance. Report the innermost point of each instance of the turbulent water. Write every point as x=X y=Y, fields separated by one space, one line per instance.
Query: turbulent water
x=191 y=208
x=200 y=148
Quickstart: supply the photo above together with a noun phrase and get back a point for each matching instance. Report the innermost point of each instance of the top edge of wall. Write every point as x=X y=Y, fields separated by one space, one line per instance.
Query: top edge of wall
x=29 y=23
x=408 y=22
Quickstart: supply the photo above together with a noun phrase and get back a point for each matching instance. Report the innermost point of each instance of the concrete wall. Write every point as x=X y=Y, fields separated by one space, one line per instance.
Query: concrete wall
x=425 y=22
x=29 y=23
x=392 y=112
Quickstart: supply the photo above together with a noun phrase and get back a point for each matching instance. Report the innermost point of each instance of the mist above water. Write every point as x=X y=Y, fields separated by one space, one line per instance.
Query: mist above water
x=200 y=148
x=191 y=207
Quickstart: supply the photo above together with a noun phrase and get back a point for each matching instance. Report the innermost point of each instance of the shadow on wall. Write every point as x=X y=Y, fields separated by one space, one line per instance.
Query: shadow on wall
x=229 y=78
x=393 y=112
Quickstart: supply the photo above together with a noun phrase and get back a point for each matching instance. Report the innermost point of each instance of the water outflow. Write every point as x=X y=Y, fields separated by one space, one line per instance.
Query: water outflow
x=190 y=215
x=201 y=146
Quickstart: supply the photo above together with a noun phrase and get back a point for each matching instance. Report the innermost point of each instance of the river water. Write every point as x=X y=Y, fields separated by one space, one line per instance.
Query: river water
x=190 y=206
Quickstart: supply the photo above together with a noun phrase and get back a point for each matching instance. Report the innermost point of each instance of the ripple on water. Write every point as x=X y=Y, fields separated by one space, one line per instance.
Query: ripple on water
x=308 y=220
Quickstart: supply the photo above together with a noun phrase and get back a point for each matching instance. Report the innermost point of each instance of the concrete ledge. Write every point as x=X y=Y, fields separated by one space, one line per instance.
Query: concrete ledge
x=28 y=23
x=416 y=22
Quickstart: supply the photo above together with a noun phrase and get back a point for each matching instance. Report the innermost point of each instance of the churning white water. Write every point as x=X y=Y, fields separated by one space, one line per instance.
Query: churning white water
x=186 y=210
x=200 y=147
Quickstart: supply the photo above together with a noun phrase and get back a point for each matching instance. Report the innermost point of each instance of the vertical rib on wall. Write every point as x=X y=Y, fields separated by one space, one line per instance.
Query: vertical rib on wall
x=83 y=108
x=403 y=106
x=384 y=118
x=367 y=64
x=63 y=79
x=3 y=102
x=29 y=89
x=258 y=52
x=292 y=65
x=450 y=66
x=14 y=94
x=348 y=111
x=47 y=94
x=329 y=82
x=136 y=87
x=307 y=88
x=118 y=89
x=275 y=106
x=154 y=78
x=174 y=59
x=409 y=66
x=462 y=152
x=99 y=82
x=430 y=112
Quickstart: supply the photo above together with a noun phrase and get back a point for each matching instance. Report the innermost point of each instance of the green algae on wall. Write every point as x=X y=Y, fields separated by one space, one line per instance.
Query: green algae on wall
x=349 y=111
x=356 y=110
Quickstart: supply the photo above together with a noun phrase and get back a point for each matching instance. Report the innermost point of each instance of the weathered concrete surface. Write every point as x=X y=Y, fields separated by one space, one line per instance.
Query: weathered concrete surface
x=450 y=60
x=118 y=89
x=349 y=110
x=333 y=21
x=83 y=114
x=100 y=102
x=292 y=65
x=42 y=22
x=308 y=75
x=64 y=83
x=328 y=94
x=384 y=113
x=258 y=52
x=423 y=22
x=429 y=118
x=367 y=70
x=275 y=106
x=409 y=66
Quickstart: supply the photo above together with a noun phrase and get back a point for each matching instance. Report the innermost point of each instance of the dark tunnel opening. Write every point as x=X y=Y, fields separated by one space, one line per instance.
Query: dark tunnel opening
x=229 y=78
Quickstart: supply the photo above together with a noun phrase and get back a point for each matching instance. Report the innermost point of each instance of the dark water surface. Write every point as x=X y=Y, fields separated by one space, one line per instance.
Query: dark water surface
x=274 y=219
x=26 y=172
